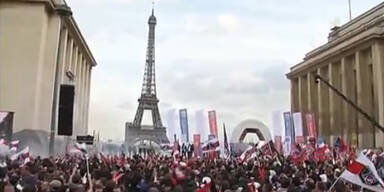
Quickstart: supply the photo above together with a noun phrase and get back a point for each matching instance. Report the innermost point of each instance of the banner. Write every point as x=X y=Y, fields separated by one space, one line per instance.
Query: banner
x=6 y=125
x=212 y=122
x=278 y=144
x=311 y=125
x=196 y=145
x=278 y=123
x=184 y=125
x=298 y=124
x=287 y=145
x=289 y=131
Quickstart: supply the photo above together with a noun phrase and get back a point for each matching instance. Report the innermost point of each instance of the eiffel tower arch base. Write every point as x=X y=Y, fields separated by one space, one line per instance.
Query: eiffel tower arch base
x=135 y=134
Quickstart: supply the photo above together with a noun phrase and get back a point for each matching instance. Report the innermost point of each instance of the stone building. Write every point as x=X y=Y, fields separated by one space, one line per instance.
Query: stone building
x=353 y=61
x=41 y=48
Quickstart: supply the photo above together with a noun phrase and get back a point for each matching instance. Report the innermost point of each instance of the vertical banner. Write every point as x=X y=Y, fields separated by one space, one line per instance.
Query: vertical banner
x=287 y=145
x=196 y=145
x=311 y=125
x=6 y=125
x=184 y=124
x=288 y=122
x=278 y=144
x=298 y=125
x=277 y=123
x=212 y=122
x=289 y=133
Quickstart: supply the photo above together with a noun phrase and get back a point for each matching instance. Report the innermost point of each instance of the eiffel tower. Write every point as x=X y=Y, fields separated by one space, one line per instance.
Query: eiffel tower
x=135 y=131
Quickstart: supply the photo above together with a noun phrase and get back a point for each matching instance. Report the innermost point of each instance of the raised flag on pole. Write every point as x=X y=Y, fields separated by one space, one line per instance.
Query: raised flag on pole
x=14 y=145
x=79 y=148
x=278 y=144
x=184 y=125
x=212 y=122
x=362 y=172
x=23 y=154
x=226 y=144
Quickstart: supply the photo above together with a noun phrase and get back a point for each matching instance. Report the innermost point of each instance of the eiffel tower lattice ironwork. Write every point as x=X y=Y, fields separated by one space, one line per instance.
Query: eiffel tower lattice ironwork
x=148 y=100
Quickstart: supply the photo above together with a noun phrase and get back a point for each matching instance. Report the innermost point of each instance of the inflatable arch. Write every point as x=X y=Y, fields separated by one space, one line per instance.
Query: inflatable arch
x=250 y=126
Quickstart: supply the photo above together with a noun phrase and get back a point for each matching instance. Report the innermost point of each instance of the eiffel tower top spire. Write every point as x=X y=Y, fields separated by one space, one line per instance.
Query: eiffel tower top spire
x=149 y=82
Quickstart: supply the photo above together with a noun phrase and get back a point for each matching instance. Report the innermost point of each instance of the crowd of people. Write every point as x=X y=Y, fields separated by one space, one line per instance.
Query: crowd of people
x=154 y=173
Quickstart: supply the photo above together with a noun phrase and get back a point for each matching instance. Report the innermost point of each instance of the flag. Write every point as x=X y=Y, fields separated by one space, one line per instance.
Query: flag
x=226 y=144
x=166 y=147
x=322 y=152
x=79 y=148
x=23 y=155
x=340 y=145
x=267 y=149
x=362 y=172
x=311 y=125
x=211 y=145
x=176 y=150
x=212 y=122
x=184 y=125
x=14 y=145
x=249 y=153
x=298 y=125
x=289 y=129
x=278 y=144
x=196 y=145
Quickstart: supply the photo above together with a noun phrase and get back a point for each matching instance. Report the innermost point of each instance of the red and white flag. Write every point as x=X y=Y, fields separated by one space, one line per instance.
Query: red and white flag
x=249 y=153
x=362 y=172
x=23 y=154
x=79 y=148
x=14 y=145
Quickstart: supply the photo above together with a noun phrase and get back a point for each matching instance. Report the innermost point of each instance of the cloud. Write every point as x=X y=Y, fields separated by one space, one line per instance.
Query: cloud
x=230 y=56
x=228 y=21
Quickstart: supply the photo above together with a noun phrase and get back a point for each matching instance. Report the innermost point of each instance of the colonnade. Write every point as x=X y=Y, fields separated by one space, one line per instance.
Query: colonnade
x=357 y=73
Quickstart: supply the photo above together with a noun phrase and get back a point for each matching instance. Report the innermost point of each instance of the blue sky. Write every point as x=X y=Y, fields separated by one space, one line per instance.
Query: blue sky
x=227 y=55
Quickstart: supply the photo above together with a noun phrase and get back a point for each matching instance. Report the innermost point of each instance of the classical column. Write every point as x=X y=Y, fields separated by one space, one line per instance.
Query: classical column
x=312 y=97
x=61 y=61
x=378 y=81
x=69 y=61
x=364 y=96
x=89 y=69
x=77 y=113
x=74 y=63
x=295 y=94
x=323 y=99
x=63 y=55
x=303 y=94
x=348 y=112
x=83 y=96
x=334 y=101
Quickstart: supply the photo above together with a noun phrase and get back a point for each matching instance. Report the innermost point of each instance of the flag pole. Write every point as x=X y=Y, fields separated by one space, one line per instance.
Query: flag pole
x=334 y=183
x=350 y=12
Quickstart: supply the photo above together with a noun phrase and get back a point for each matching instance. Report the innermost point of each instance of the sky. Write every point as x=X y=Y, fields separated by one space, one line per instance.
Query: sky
x=225 y=55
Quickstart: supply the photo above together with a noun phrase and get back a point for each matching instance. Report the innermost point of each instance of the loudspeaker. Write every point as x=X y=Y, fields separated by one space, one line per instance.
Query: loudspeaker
x=65 y=124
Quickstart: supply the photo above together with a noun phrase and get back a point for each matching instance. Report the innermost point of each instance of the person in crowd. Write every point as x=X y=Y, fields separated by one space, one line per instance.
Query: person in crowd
x=155 y=173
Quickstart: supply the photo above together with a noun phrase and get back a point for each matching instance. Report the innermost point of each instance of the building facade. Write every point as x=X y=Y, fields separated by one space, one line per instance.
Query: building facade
x=42 y=48
x=352 y=61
